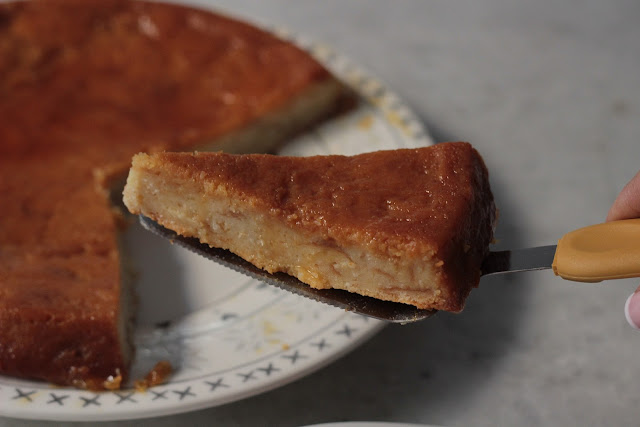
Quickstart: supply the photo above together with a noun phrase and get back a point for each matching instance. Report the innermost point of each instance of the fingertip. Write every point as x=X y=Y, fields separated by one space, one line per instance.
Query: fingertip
x=632 y=310
x=627 y=204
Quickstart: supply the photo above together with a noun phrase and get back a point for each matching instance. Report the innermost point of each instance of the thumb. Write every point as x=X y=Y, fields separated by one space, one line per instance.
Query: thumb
x=632 y=309
x=627 y=204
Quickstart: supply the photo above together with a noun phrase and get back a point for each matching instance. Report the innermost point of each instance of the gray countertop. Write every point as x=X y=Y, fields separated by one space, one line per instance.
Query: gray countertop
x=549 y=93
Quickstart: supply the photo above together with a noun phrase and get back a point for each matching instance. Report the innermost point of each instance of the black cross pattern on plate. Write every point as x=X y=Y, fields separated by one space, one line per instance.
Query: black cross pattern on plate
x=23 y=395
x=125 y=397
x=89 y=402
x=294 y=357
x=57 y=399
x=159 y=394
x=184 y=393
x=216 y=384
x=247 y=377
x=269 y=369
x=320 y=345
x=347 y=331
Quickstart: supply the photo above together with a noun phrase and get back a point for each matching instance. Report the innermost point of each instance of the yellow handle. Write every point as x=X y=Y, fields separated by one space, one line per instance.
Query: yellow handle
x=600 y=252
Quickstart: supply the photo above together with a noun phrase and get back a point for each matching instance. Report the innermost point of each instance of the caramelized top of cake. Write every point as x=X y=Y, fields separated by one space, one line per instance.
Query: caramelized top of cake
x=101 y=81
x=408 y=200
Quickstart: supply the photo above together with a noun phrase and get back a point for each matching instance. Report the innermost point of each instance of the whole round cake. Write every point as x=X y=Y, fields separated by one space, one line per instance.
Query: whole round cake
x=85 y=85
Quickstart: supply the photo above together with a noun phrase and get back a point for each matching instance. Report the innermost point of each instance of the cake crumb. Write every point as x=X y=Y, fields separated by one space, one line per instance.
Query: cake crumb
x=365 y=122
x=156 y=376
x=113 y=382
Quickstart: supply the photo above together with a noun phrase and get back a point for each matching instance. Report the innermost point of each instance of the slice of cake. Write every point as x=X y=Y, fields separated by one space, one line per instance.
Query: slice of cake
x=84 y=85
x=408 y=225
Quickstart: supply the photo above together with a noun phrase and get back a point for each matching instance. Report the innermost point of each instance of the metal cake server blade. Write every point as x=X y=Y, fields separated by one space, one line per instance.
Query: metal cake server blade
x=513 y=261
x=587 y=257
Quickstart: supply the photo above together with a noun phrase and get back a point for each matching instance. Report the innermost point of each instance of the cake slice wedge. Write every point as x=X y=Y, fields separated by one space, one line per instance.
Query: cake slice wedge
x=406 y=225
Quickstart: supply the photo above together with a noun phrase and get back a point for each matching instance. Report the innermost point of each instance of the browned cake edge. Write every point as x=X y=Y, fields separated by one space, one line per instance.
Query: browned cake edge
x=464 y=254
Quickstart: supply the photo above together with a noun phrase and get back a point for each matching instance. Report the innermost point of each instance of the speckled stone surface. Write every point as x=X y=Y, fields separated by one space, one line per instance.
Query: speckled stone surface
x=549 y=93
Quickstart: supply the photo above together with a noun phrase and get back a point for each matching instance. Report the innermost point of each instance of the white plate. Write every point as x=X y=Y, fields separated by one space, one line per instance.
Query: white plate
x=231 y=337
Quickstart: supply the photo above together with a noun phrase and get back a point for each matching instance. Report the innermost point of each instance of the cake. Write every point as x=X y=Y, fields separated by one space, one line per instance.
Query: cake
x=84 y=85
x=407 y=225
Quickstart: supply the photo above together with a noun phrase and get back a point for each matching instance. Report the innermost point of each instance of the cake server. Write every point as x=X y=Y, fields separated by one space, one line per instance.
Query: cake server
x=591 y=254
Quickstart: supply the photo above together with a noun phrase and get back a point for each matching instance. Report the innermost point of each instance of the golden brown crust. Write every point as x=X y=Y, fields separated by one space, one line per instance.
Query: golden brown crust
x=83 y=86
x=430 y=204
